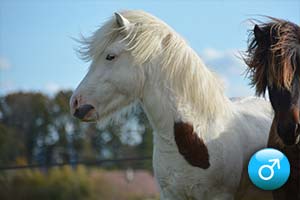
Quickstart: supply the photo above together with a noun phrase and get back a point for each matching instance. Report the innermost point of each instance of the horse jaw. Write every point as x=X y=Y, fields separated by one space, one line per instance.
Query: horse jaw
x=117 y=114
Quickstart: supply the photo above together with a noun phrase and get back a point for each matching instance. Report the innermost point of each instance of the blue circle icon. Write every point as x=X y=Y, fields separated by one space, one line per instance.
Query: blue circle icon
x=269 y=169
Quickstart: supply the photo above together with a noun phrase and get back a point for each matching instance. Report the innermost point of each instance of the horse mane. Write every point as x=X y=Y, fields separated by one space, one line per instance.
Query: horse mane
x=273 y=61
x=150 y=38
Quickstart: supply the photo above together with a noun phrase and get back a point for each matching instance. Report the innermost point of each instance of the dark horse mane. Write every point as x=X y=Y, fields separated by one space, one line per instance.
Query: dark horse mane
x=274 y=55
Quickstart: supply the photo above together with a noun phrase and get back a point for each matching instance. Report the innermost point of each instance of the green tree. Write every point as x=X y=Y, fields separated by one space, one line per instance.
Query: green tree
x=28 y=114
x=10 y=147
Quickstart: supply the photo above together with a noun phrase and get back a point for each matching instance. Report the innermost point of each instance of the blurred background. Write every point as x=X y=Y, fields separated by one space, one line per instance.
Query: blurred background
x=39 y=68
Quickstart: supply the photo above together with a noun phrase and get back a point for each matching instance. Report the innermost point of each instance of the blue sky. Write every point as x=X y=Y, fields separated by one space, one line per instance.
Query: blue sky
x=37 y=52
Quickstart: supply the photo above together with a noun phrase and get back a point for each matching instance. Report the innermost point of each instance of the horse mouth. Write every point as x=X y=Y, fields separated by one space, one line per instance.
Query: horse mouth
x=86 y=113
x=296 y=137
x=288 y=132
x=297 y=140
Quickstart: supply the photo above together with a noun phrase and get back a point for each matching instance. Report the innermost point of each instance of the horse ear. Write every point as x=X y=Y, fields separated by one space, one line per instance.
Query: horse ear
x=258 y=33
x=122 y=21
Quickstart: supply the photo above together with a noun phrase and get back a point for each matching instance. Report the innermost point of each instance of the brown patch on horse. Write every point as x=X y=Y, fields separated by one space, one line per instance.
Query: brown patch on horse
x=190 y=146
x=272 y=53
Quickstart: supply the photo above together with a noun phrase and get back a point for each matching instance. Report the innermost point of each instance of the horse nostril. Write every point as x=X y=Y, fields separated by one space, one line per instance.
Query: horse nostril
x=75 y=103
x=82 y=111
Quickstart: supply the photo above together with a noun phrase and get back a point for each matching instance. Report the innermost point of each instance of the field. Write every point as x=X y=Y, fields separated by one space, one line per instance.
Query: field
x=78 y=184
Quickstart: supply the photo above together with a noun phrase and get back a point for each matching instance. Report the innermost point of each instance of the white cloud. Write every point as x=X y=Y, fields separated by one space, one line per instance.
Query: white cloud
x=230 y=68
x=4 y=63
x=211 y=54
x=7 y=86
x=225 y=80
x=226 y=61
x=52 y=87
x=241 y=90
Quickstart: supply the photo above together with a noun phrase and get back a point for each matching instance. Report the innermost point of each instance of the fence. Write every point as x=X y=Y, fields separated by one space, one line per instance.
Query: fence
x=87 y=163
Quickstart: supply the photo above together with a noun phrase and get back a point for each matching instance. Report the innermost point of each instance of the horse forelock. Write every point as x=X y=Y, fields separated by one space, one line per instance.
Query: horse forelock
x=142 y=38
x=273 y=61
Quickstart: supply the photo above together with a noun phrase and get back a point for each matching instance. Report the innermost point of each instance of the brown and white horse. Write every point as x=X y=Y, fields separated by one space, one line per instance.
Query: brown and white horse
x=273 y=57
x=202 y=140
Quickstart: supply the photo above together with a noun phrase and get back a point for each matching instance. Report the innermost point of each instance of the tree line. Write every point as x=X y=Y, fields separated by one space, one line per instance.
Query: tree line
x=39 y=129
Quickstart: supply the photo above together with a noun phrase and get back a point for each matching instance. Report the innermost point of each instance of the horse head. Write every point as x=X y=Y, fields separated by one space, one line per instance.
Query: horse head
x=114 y=80
x=273 y=58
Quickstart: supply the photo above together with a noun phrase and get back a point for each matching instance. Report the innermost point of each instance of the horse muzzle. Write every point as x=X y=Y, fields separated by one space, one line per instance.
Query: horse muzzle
x=86 y=113
x=297 y=134
x=289 y=133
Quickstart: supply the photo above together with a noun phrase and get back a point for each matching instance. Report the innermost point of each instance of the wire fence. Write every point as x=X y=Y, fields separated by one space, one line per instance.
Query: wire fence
x=86 y=163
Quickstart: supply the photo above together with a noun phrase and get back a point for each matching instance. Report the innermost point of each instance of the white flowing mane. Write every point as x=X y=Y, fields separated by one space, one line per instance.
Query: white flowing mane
x=149 y=38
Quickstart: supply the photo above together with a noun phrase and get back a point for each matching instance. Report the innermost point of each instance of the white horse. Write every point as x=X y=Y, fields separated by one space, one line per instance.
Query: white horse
x=202 y=140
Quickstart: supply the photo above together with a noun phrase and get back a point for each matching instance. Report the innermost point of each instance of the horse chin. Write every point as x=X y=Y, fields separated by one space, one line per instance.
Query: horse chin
x=289 y=133
x=115 y=114
x=291 y=141
x=92 y=117
x=288 y=141
x=297 y=139
x=297 y=135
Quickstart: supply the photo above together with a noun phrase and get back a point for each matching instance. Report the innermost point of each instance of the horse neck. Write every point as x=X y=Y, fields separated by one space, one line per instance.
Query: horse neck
x=164 y=106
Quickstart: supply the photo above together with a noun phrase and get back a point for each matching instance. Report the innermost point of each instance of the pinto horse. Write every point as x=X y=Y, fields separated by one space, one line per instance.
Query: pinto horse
x=273 y=58
x=202 y=140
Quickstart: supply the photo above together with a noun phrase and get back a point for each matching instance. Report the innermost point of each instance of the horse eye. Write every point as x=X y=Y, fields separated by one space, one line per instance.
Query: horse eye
x=110 y=57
